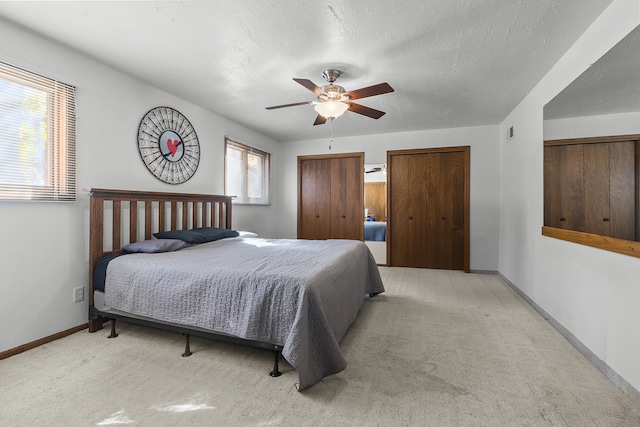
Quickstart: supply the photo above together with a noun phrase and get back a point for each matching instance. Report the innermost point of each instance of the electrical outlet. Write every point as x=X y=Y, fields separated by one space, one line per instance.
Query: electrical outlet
x=78 y=294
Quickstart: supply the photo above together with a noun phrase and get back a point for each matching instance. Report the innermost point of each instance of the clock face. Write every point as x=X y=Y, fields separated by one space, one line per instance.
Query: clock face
x=168 y=145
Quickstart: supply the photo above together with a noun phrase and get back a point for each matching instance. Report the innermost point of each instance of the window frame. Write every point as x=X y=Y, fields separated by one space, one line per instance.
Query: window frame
x=59 y=145
x=265 y=180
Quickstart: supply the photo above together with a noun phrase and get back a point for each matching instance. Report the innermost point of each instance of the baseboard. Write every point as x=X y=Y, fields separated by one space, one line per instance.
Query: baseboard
x=608 y=372
x=492 y=272
x=41 y=341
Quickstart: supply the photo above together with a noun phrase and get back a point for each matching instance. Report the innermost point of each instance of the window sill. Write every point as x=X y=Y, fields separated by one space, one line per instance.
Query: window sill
x=621 y=246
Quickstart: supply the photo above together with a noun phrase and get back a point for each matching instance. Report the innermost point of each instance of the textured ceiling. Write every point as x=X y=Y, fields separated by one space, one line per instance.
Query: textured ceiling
x=452 y=63
x=610 y=86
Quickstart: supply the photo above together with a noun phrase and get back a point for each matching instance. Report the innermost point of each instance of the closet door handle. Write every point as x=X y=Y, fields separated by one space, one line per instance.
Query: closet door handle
x=563 y=219
x=606 y=220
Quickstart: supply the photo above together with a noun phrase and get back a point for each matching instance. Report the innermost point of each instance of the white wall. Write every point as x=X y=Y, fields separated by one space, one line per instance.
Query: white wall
x=584 y=127
x=484 y=177
x=592 y=293
x=44 y=251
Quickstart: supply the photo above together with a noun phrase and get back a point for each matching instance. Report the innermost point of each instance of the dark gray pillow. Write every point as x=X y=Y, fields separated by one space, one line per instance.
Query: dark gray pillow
x=155 y=246
x=197 y=235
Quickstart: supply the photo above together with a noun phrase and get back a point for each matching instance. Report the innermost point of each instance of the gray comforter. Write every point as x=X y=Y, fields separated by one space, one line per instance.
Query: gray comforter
x=300 y=294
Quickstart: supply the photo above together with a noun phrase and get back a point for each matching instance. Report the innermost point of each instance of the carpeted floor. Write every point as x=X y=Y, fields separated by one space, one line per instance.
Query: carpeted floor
x=439 y=348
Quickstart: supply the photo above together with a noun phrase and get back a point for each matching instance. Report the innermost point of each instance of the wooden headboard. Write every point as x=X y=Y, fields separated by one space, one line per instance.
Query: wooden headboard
x=119 y=217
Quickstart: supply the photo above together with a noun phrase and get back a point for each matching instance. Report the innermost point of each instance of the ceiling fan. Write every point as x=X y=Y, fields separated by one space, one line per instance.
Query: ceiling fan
x=333 y=100
x=382 y=169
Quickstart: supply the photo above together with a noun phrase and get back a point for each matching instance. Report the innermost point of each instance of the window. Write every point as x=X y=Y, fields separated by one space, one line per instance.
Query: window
x=246 y=173
x=37 y=137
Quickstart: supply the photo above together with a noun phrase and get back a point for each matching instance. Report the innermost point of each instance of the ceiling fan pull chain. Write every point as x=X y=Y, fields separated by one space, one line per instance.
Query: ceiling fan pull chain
x=330 y=132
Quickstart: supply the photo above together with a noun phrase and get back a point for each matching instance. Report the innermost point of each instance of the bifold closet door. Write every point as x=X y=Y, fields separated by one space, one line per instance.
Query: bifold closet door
x=347 y=189
x=428 y=194
x=331 y=196
x=314 y=216
x=445 y=210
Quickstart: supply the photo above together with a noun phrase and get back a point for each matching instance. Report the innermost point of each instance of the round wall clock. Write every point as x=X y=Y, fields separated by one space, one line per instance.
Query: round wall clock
x=168 y=145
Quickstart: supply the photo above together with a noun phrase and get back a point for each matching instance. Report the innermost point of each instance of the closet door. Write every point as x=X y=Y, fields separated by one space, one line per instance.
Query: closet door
x=330 y=196
x=446 y=210
x=314 y=194
x=428 y=203
x=347 y=188
x=400 y=227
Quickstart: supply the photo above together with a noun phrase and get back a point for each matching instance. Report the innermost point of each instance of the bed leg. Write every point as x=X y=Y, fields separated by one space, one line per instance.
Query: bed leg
x=276 y=370
x=187 y=350
x=113 y=329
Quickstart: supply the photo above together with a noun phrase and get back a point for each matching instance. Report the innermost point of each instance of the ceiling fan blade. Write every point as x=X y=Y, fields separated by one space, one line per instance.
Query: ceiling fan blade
x=309 y=85
x=365 y=111
x=365 y=92
x=320 y=120
x=288 y=105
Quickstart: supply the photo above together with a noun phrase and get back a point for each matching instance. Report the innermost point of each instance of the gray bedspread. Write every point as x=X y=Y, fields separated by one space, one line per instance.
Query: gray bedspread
x=300 y=294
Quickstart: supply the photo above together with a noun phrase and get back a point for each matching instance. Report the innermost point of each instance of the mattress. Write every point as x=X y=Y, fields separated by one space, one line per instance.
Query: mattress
x=300 y=294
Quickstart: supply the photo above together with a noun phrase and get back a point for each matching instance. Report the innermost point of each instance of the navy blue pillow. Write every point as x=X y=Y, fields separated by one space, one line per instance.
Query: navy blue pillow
x=197 y=235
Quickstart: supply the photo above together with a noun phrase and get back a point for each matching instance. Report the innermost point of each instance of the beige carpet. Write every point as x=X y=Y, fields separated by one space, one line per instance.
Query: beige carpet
x=439 y=348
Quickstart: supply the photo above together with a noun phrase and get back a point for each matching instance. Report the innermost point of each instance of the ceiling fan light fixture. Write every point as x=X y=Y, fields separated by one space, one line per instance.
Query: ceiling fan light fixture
x=331 y=109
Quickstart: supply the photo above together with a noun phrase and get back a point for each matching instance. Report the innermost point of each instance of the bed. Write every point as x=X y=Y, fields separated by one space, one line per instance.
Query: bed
x=296 y=298
x=375 y=231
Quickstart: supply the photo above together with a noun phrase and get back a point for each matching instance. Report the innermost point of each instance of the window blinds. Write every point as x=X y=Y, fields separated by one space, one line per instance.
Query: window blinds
x=37 y=137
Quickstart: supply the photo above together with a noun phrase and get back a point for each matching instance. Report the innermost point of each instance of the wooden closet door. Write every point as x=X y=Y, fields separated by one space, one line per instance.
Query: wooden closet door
x=331 y=196
x=375 y=199
x=347 y=212
x=400 y=233
x=445 y=209
x=428 y=195
x=421 y=204
x=314 y=195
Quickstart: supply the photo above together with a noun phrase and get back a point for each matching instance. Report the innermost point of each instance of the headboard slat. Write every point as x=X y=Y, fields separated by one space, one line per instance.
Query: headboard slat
x=162 y=216
x=133 y=221
x=174 y=215
x=148 y=222
x=117 y=213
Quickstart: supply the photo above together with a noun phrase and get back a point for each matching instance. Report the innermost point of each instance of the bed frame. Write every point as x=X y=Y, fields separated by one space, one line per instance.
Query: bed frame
x=119 y=217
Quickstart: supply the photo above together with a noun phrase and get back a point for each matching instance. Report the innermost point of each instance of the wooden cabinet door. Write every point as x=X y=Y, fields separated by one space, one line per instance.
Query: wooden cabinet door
x=596 y=189
x=590 y=187
x=622 y=190
x=564 y=187
x=609 y=187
